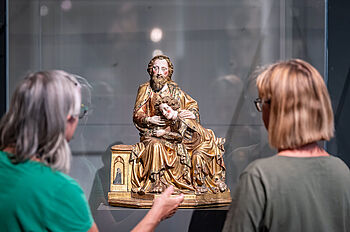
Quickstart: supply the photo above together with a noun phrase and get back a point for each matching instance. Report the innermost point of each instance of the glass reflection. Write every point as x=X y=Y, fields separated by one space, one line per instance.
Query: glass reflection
x=215 y=47
x=44 y=10
x=66 y=5
x=157 y=52
x=156 y=34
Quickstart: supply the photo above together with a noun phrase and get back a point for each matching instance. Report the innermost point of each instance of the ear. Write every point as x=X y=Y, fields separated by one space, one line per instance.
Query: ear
x=70 y=118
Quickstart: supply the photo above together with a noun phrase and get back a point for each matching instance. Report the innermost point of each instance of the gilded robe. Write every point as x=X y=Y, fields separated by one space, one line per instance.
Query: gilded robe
x=206 y=152
x=189 y=157
x=159 y=156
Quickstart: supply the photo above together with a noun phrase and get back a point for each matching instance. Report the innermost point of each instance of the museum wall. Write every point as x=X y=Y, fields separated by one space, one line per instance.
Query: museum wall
x=3 y=57
x=215 y=46
x=339 y=76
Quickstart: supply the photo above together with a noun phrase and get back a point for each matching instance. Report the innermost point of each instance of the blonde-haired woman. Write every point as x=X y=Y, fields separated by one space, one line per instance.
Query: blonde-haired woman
x=302 y=188
x=35 y=192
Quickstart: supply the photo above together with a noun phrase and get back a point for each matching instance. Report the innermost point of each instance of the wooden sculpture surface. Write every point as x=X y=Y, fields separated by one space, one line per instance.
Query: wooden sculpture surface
x=174 y=148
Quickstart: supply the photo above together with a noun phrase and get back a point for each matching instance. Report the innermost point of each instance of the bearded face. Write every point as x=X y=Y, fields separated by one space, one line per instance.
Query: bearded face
x=159 y=74
x=158 y=81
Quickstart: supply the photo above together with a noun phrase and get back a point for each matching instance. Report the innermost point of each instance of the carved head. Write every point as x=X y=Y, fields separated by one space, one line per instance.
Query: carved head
x=150 y=68
x=160 y=69
x=165 y=106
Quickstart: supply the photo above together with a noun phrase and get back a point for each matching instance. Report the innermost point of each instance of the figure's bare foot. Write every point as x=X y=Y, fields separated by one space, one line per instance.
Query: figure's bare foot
x=135 y=190
x=157 y=190
x=157 y=187
x=141 y=191
x=201 y=189
x=222 y=186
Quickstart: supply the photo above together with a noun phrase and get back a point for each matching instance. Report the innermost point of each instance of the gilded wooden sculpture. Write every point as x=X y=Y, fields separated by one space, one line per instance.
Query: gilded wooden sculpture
x=174 y=148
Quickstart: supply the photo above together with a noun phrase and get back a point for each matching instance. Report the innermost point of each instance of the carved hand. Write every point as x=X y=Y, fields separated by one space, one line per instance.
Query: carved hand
x=187 y=114
x=159 y=133
x=156 y=120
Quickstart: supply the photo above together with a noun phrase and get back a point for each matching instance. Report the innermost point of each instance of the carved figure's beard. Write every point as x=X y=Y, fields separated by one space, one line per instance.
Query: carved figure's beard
x=158 y=81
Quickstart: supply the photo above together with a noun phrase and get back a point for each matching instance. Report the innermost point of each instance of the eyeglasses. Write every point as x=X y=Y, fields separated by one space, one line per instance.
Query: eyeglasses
x=259 y=103
x=83 y=111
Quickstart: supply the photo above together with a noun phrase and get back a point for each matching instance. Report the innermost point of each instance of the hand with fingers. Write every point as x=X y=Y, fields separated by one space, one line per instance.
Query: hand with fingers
x=159 y=133
x=186 y=114
x=163 y=207
x=157 y=120
x=166 y=205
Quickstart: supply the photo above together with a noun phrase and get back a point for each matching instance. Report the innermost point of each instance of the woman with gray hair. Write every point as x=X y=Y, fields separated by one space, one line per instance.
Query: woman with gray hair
x=36 y=194
x=302 y=187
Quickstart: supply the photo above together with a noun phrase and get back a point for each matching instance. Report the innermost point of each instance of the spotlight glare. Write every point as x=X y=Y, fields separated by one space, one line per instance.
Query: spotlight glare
x=66 y=5
x=157 y=52
x=156 y=34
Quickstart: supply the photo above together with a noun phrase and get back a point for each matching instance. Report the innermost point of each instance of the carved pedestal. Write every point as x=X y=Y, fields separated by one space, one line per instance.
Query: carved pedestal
x=120 y=187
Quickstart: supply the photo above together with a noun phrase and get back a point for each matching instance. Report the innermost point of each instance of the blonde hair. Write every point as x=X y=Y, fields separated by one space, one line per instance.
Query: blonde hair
x=300 y=107
x=36 y=121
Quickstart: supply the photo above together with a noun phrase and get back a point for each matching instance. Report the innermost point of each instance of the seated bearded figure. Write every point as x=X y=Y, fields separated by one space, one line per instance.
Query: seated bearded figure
x=153 y=157
x=192 y=158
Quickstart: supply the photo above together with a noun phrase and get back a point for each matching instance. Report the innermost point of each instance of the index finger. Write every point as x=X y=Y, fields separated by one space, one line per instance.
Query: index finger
x=169 y=190
x=160 y=122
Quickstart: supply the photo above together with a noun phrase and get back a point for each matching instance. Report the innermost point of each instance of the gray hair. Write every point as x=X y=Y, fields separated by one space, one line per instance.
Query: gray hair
x=36 y=121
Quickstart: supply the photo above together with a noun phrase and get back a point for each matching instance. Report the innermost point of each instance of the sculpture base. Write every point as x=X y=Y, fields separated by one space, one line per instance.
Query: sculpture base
x=134 y=200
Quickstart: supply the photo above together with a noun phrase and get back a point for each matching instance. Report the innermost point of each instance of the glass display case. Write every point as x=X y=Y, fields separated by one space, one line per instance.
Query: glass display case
x=215 y=46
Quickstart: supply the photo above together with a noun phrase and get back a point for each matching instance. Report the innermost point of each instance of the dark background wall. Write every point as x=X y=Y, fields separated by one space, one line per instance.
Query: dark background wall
x=339 y=75
x=2 y=57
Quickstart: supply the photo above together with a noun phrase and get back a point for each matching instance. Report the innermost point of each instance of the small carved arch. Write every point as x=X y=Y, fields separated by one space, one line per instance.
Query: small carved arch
x=119 y=171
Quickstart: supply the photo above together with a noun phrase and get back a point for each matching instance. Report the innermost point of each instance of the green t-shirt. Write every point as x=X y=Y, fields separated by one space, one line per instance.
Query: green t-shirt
x=291 y=194
x=34 y=197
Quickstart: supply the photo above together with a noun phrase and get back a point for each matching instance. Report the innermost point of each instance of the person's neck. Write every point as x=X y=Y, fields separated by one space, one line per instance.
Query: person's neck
x=12 y=151
x=307 y=150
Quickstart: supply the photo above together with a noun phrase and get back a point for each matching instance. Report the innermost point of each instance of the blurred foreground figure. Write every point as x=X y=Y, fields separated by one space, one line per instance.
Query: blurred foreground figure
x=302 y=188
x=35 y=194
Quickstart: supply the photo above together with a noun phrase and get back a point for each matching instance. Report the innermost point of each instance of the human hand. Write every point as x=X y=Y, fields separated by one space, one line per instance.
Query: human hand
x=165 y=206
x=159 y=133
x=187 y=114
x=156 y=120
